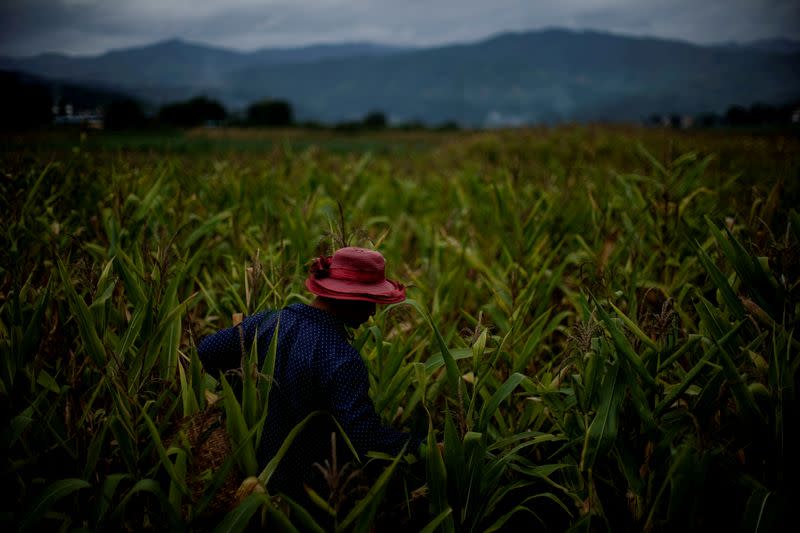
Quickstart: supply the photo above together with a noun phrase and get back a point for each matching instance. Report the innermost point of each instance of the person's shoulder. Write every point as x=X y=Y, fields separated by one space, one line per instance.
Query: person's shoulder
x=314 y=318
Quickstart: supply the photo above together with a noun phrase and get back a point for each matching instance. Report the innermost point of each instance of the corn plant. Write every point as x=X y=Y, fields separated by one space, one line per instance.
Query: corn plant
x=600 y=333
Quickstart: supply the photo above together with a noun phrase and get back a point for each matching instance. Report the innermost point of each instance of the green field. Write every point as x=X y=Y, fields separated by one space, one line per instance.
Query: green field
x=601 y=327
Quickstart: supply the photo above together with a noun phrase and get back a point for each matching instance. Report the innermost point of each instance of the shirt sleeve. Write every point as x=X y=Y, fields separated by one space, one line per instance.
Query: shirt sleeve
x=224 y=349
x=347 y=391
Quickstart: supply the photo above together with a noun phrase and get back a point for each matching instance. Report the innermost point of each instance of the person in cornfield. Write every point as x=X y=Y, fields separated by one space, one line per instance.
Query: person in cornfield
x=316 y=368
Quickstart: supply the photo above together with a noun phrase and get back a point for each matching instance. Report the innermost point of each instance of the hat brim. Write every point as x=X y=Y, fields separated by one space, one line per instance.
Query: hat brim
x=383 y=292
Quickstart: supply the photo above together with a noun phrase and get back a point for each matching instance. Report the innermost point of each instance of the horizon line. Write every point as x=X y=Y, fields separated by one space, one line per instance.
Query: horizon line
x=409 y=47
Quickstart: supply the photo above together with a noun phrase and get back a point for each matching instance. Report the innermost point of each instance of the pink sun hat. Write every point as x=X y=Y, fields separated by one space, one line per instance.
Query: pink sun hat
x=354 y=274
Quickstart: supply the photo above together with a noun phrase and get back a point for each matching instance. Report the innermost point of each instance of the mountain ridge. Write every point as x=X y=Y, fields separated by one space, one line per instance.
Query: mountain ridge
x=548 y=75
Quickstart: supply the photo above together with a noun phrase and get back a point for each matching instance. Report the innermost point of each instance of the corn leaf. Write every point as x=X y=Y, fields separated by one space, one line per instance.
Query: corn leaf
x=91 y=341
x=238 y=519
x=49 y=496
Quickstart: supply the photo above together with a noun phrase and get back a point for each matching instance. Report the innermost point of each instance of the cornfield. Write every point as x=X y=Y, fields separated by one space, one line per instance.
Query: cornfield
x=599 y=331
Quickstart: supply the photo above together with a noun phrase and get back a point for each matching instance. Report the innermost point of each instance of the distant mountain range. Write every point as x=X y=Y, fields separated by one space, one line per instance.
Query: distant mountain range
x=531 y=77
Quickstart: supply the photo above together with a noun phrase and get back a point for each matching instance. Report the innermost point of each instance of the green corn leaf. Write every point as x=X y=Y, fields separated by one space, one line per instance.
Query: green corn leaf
x=91 y=341
x=431 y=526
x=755 y=279
x=272 y=465
x=478 y=349
x=18 y=425
x=238 y=432
x=489 y=409
x=641 y=335
x=188 y=398
x=249 y=380
x=169 y=329
x=437 y=361
x=364 y=511
x=173 y=473
x=639 y=399
x=436 y=475
x=49 y=496
x=731 y=300
x=758 y=515
x=175 y=492
x=93 y=453
x=267 y=374
x=475 y=456
x=690 y=342
x=453 y=375
x=124 y=442
x=205 y=228
x=132 y=331
x=679 y=389
x=152 y=487
x=422 y=381
x=748 y=408
x=624 y=347
x=30 y=197
x=110 y=485
x=302 y=517
x=47 y=381
x=169 y=349
x=794 y=220
x=653 y=161
x=196 y=378
x=681 y=457
x=276 y=520
x=590 y=378
x=603 y=429
x=105 y=287
x=536 y=437
x=686 y=200
x=149 y=202
x=394 y=390
x=454 y=458
x=33 y=331
x=132 y=278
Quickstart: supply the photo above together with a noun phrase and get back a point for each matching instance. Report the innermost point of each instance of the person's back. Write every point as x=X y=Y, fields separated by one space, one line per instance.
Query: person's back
x=316 y=369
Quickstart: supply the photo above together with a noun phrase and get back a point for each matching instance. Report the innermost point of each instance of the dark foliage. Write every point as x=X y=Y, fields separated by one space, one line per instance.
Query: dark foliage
x=270 y=113
x=195 y=112
x=124 y=114
x=25 y=103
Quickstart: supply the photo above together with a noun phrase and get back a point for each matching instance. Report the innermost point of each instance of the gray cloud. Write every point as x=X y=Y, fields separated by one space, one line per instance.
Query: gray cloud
x=93 y=26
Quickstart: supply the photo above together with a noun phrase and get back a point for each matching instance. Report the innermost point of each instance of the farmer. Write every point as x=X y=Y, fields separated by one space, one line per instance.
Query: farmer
x=316 y=368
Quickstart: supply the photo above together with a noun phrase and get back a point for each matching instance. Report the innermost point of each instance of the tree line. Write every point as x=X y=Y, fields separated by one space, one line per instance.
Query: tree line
x=203 y=111
x=29 y=102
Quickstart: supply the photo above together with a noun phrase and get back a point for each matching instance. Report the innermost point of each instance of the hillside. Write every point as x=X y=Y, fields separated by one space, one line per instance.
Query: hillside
x=530 y=77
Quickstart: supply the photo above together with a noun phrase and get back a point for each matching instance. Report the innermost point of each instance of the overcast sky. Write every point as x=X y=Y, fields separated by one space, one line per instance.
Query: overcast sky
x=93 y=26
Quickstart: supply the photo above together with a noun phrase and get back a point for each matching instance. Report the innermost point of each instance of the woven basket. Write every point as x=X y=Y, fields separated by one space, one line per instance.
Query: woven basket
x=210 y=447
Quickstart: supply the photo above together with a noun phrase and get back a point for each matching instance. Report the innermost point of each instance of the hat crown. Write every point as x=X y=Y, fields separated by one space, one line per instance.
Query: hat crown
x=358 y=259
x=354 y=274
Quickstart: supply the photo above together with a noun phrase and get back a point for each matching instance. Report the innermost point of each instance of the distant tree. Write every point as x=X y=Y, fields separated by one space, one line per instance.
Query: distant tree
x=348 y=126
x=124 y=114
x=25 y=104
x=194 y=112
x=449 y=125
x=375 y=120
x=707 y=120
x=761 y=114
x=737 y=116
x=270 y=113
x=312 y=125
x=412 y=125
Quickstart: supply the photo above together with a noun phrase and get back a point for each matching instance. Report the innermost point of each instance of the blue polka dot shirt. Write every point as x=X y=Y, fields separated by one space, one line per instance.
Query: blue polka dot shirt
x=316 y=368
